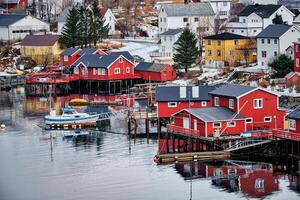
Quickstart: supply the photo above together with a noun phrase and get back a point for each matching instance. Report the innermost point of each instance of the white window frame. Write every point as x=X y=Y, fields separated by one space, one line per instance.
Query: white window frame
x=127 y=70
x=297 y=62
x=103 y=72
x=259 y=107
x=219 y=126
x=217 y=101
x=249 y=122
x=76 y=70
x=195 y=91
x=231 y=124
x=231 y=103
x=117 y=70
x=292 y=124
x=66 y=58
x=95 y=71
x=182 y=92
x=172 y=106
x=203 y=103
x=99 y=71
x=269 y=119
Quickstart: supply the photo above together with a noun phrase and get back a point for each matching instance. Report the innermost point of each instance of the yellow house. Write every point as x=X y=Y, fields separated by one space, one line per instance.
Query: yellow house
x=229 y=50
x=43 y=49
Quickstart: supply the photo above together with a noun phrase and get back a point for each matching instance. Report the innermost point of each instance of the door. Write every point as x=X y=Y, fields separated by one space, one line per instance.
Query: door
x=195 y=125
x=186 y=123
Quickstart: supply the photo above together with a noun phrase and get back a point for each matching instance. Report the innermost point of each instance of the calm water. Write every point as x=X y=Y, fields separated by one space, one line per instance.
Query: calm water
x=109 y=166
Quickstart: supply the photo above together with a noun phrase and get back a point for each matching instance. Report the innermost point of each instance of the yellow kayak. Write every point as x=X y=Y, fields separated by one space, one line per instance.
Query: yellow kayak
x=78 y=101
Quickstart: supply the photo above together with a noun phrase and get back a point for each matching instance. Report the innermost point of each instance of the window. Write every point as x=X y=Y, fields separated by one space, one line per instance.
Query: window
x=185 y=19
x=225 y=3
x=262 y=41
x=172 y=104
x=196 y=19
x=162 y=10
x=244 y=20
x=208 y=42
x=218 y=53
x=231 y=53
x=182 y=92
x=103 y=72
x=163 y=48
x=117 y=70
x=258 y=103
x=297 y=62
x=219 y=42
x=203 y=103
x=99 y=71
x=165 y=19
x=263 y=54
x=95 y=71
x=76 y=70
x=262 y=64
x=267 y=119
x=292 y=124
x=275 y=53
x=275 y=41
x=195 y=92
x=297 y=48
x=236 y=42
x=269 y=41
x=66 y=58
x=217 y=101
x=249 y=120
x=217 y=125
x=120 y=60
x=209 y=52
x=160 y=19
x=231 y=124
x=231 y=103
x=127 y=70
x=259 y=184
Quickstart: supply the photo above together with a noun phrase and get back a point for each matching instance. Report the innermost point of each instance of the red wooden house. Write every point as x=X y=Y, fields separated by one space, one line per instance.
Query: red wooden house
x=294 y=121
x=155 y=72
x=11 y=4
x=172 y=99
x=293 y=78
x=103 y=67
x=126 y=54
x=296 y=56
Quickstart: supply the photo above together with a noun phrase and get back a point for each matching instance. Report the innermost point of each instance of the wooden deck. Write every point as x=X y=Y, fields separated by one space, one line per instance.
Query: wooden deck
x=143 y=115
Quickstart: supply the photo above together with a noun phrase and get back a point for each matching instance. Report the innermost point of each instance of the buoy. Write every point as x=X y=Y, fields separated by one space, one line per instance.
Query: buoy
x=2 y=126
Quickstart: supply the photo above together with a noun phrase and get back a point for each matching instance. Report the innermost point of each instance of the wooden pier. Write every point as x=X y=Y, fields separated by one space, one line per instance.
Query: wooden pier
x=11 y=80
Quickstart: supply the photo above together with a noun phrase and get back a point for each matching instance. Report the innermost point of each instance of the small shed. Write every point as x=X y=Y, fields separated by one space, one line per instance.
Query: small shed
x=155 y=72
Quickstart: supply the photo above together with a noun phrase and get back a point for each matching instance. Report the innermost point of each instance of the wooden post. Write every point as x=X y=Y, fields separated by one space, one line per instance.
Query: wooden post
x=178 y=144
x=129 y=123
x=185 y=144
x=158 y=128
x=147 y=126
x=173 y=138
x=168 y=150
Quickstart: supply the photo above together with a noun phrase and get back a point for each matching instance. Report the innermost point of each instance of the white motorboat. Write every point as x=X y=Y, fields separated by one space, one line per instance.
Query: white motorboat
x=69 y=116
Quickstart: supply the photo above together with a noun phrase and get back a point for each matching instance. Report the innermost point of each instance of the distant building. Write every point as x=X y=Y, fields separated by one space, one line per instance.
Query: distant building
x=296 y=21
x=294 y=121
x=16 y=27
x=167 y=41
x=196 y=16
x=261 y=2
x=220 y=7
x=290 y=52
x=41 y=48
x=11 y=4
x=273 y=41
x=254 y=18
x=228 y=50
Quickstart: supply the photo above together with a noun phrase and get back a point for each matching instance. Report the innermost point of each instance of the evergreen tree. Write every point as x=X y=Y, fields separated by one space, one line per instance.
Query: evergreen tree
x=70 y=35
x=277 y=19
x=282 y=66
x=33 y=9
x=84 y=25
x=186 y=49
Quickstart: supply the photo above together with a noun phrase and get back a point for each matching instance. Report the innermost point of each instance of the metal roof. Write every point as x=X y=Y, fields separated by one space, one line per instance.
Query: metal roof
x=295 y=114
x=274 y=31
x=263 y=11
x=126 y=54
x=232 y=90
x=69 y=51
x=8 y=19
x=96 y=61
x=191 y=9
x=150 y=66
x=86 y=51
x=39 y=40
x=214 y=114
x=225 y=36
x=172 y=93
x=172 y=31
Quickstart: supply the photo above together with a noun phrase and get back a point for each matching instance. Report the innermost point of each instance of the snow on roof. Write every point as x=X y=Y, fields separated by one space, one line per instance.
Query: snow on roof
x=191 y=9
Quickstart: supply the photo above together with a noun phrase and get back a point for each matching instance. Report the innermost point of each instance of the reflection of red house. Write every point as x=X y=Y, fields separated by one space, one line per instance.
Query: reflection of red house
x=155 y=72
x=11 y=4
x=259 y=183
x=172 y=99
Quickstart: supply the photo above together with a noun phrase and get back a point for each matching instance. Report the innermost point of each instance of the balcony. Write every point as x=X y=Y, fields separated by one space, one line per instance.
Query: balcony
x=183 y=131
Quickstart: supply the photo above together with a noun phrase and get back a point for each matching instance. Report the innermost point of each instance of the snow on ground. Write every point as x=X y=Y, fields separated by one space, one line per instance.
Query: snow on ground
x=141 y=49
x=208 y=72
x=285 y=92
x=254 y=69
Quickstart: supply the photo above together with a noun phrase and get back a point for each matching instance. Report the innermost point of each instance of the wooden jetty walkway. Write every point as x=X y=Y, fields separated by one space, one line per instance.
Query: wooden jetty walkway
x=11 y=80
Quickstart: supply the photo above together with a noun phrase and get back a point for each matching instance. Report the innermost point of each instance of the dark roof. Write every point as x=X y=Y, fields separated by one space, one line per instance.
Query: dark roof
x=214 y=114
x=103 y=11
x=95 y=60
x=69 y=51
x=126 y=54
x=295 y=114
x=274 y=31
x=225 y=36
x=40 y=40
x=232 y=90
x=172 y=31
x=86 y=51
x=190 y=9
x=8 y=19
x=172 y=93
x=150 y=67
x=263 y=11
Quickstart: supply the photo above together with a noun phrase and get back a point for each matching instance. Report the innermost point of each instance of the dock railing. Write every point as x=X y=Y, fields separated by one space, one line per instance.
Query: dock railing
x=286 y=135
x=184 y=131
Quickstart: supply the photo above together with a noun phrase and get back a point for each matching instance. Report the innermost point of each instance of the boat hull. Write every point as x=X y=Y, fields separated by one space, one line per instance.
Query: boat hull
x=61 y=120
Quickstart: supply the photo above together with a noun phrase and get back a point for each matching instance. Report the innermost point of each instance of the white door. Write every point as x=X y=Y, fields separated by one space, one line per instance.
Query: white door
x=186 y=123
x=195 y=124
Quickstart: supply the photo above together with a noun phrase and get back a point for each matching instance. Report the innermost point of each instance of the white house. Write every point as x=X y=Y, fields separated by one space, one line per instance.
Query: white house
x=167 y=40
x=261 y=2
x=297 y=21
x=196 y=16
x=220 y=7
x=16 y=27
x=109 y=19
x=254 y=18
x=273 y=41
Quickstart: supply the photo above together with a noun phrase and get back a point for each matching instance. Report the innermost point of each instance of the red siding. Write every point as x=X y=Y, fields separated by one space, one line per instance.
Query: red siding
x=71 y=59
x=164 y=111
x=167 y=74
x=297 y=127
x=296 y=56
x=22 y=3
x=270 y=109
x=238 y=129
x=224 y=102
